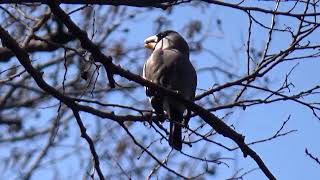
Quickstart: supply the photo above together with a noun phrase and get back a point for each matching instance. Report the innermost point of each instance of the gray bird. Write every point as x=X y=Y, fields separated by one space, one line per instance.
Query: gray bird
x=169 y=66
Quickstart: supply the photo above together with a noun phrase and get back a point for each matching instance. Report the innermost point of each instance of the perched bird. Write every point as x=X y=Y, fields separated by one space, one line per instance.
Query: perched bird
x=169 y=66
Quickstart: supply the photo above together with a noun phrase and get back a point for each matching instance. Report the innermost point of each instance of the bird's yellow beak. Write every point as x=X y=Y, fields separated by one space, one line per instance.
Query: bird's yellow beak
x=151 y=42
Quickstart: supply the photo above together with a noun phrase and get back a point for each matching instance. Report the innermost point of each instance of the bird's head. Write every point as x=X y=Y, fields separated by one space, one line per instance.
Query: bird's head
x=167 y=40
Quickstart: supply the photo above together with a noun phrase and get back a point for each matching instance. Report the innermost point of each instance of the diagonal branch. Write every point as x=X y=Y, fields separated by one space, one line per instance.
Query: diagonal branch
x=93 y=151
x=316 y=159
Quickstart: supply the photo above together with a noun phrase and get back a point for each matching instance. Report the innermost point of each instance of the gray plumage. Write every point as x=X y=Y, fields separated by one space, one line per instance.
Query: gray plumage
x=170 y=67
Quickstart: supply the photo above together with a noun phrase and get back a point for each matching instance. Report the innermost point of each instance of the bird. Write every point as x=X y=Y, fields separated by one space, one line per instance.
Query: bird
x=169 y=66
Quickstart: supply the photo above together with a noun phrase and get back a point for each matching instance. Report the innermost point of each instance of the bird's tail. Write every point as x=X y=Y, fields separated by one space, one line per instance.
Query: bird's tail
x=175 y=136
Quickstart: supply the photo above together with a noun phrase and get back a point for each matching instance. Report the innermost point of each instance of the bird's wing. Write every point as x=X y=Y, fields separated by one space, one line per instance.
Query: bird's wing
x=155 y=69
x=157 y=66
x=173 y=70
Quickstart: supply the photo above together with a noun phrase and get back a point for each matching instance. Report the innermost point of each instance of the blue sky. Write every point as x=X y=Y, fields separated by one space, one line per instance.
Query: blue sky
x=284 y=156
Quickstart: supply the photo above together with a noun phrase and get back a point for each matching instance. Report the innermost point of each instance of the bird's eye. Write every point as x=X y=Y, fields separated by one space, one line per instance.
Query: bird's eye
x=161 y=35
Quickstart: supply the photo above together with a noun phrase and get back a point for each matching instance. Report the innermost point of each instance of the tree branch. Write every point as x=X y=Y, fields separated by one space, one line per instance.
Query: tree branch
x=312 y=156
x=84 y=135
